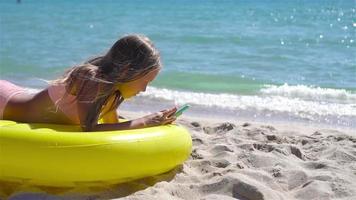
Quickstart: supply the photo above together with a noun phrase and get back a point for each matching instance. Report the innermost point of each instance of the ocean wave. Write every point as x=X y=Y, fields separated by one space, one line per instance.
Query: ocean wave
x=310 y=93
x=300 y=108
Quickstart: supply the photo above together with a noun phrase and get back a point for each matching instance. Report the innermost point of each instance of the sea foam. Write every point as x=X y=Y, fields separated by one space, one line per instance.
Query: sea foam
x=307 y=107
x=310 y=93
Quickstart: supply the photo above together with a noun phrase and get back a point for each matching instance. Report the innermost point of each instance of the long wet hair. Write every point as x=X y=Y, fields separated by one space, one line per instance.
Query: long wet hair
x=130 y=58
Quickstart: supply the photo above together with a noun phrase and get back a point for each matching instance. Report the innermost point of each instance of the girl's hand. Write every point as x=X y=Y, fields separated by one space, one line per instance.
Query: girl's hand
x=160 y=118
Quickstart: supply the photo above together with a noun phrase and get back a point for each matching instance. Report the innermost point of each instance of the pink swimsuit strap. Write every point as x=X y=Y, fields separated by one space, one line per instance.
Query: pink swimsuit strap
x=65 y=102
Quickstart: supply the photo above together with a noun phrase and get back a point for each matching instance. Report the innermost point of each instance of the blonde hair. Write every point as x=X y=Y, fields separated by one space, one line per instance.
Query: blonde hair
x=130 y=58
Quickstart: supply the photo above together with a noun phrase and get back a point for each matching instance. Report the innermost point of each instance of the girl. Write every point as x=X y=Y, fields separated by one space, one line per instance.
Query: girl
x=92 y=91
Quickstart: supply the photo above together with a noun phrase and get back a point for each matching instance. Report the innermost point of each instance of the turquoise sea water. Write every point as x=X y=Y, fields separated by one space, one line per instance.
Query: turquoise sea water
x=274 y=58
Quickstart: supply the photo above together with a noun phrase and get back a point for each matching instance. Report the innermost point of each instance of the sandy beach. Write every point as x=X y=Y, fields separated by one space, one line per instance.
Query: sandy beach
x=250 y=161
x=246 y=161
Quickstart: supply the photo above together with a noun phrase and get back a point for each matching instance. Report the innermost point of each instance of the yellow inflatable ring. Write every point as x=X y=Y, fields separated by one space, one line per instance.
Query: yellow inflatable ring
x=64 y=156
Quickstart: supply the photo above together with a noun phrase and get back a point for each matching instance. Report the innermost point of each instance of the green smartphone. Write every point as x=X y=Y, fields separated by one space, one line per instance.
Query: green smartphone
x=181 y=110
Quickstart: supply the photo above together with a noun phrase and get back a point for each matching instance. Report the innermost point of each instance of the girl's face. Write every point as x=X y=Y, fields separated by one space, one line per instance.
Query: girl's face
x=132 y=88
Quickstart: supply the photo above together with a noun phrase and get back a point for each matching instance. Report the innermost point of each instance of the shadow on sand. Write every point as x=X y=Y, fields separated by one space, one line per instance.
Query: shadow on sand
x=16 y=191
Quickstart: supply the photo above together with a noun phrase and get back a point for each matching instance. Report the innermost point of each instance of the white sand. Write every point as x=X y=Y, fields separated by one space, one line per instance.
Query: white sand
x=256 y=161
x=248 y=161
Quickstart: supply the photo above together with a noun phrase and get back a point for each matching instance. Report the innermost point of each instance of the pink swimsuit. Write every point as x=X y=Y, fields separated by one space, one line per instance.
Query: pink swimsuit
x=7 y=91
x=66 y=103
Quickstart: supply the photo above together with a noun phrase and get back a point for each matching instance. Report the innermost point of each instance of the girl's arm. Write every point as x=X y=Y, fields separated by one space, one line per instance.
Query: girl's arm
x=111 y=120
x=155 y=119
x=132 y=124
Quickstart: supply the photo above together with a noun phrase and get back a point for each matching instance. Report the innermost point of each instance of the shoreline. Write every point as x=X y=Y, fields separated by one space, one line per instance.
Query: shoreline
x=141 y=105
x=303 y=127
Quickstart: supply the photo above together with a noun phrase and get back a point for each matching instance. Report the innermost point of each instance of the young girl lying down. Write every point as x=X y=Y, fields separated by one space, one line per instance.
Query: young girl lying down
x=92 y=91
